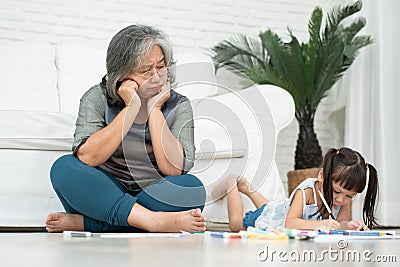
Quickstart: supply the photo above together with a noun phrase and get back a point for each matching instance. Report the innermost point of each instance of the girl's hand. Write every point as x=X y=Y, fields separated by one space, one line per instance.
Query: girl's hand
x=156 y=101
x=331 y=224
x=127 y=91
x=356 y=225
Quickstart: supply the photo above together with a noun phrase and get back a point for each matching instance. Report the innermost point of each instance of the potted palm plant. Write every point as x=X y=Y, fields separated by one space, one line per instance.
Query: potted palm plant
x=306 y=70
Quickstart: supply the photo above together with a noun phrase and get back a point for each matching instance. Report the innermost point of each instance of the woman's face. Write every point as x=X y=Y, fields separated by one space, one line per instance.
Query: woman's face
x=150 y=86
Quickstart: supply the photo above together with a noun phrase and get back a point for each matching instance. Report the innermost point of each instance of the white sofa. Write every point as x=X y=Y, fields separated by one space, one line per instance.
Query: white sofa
x=235 y=132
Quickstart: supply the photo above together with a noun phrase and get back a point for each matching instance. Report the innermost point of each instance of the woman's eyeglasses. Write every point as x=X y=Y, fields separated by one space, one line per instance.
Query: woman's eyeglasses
x=162 y=72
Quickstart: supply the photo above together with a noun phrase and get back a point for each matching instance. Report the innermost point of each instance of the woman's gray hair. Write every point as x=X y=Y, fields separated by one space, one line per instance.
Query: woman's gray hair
x=128 y=50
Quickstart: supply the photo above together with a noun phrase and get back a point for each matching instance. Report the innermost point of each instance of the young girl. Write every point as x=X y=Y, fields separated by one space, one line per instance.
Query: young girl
x=343 y=174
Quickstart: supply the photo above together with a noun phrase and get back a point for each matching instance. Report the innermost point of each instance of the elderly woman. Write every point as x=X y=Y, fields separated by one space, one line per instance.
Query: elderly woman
x=133 y=146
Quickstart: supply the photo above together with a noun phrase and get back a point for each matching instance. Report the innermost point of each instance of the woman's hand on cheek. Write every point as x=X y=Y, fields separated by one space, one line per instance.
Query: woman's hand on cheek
x=127 y=91
x=156 y=101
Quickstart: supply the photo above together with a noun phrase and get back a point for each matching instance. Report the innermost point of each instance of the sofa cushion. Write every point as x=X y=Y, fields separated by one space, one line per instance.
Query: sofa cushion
x=214 y=141
x=28 y=77
x=79 y=67
x=36 y=130
x=195 y=75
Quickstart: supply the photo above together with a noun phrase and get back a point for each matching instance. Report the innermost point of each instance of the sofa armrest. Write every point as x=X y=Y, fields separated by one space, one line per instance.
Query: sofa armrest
x=281 y=105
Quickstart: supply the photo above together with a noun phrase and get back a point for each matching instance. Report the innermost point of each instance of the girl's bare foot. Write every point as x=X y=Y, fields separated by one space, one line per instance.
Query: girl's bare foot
x=189 y=221
x=243 y=185
x=226 y=185
x=61 y=221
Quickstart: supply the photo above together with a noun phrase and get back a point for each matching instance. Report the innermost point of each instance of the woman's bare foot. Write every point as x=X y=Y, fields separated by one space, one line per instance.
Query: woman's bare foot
x=244 y=185
x=61 y=221
x=223 y=187
x=189 y=221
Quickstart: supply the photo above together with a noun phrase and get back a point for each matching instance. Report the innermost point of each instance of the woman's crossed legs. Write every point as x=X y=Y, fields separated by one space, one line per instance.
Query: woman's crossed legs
x=95 y=201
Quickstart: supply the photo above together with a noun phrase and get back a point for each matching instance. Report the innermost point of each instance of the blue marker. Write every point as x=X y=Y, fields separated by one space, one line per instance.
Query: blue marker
x=366 y=233
x=338 y=232
x=358 y=233
x=219 y=234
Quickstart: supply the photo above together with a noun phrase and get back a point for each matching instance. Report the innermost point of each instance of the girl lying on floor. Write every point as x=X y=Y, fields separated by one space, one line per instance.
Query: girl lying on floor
x=343 y=174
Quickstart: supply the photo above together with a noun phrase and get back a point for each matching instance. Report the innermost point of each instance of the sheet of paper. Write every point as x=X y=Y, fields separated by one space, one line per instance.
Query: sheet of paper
x=335 y=238
x=141 y=235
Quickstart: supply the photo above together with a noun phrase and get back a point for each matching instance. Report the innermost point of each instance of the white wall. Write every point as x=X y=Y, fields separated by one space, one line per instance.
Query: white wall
x=192 y=25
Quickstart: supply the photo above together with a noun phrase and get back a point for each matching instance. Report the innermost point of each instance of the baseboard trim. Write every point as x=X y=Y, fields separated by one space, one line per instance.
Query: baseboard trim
x=24 y=229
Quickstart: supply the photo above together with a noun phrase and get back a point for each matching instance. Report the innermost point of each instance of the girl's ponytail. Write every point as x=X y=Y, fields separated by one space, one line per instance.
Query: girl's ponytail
x=327 y=170
x=370 y=197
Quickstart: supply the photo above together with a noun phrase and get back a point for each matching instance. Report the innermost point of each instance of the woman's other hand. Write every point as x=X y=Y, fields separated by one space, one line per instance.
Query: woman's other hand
x=156 y=101
x=127 y=91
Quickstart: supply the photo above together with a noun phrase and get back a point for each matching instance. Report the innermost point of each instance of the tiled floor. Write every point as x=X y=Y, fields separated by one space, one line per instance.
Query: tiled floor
x=43 y=249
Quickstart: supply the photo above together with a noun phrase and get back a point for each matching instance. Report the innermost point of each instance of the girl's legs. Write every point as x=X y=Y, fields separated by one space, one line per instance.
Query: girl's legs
x=232 y=186
x=82 y=190
x=235 y=210
x=228 y=187
x=255 y=197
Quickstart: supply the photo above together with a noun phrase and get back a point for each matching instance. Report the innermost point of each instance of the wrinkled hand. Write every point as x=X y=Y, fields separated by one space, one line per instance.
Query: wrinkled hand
x=156 y=101
x=356 y=225
x=127 y=91
x=331 y=224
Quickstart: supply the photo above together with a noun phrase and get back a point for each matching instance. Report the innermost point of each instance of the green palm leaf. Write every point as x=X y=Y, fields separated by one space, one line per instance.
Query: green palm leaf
x=276 y=50
x=310 y=48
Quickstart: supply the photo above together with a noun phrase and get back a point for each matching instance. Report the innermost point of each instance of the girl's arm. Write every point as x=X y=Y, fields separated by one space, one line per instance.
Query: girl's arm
x=344 y=217
x=294 y=218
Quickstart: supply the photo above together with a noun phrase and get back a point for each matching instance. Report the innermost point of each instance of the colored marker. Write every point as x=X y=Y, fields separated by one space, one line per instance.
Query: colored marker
x=326 y=205
x=218 y=234
x=225 y=235
x=365 y=233
x=197 y=233
x=338 y=232
x=77 y=234
x=358 y=233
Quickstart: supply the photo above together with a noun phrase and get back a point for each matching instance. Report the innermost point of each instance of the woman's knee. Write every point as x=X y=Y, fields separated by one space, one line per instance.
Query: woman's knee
x=174 y=193
x=61 y=169
x=186 y=180
x=194 y=186
x=196 y=182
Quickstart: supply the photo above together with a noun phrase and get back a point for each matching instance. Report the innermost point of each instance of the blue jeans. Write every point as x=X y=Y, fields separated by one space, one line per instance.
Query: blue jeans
x=106 y=204
x=251 y=217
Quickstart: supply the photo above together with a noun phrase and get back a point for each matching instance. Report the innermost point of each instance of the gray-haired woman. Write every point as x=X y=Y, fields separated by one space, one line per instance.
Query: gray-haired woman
x=133 y=146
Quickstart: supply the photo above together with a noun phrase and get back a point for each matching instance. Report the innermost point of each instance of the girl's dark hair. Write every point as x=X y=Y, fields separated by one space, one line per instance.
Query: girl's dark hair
x=349 y=169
